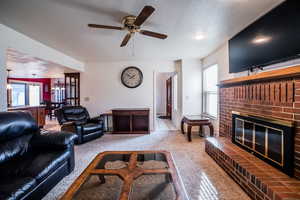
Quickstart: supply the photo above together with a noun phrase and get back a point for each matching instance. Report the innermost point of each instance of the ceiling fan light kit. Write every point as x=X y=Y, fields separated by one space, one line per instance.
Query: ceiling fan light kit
x=132 y=24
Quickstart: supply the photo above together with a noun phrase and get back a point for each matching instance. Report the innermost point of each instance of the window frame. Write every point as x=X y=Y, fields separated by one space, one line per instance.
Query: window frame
x=25 y=88
x=205 y=93
x=27 y=83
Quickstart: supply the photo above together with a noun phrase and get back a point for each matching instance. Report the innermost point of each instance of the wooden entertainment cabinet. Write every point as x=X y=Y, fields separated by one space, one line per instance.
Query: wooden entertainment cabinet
x=131 y=121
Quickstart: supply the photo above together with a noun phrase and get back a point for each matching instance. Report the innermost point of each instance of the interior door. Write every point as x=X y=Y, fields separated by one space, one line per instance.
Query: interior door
x=169 y=98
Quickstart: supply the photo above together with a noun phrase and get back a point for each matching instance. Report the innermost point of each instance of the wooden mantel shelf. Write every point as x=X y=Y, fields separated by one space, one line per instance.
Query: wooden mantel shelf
x=264 y=76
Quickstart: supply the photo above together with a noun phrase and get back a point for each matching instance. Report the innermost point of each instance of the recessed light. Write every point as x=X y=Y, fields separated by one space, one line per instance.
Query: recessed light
x=199 y=37
x=261 y=39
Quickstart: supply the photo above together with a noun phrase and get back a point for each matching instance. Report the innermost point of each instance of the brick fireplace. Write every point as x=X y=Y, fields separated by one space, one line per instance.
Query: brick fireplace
x=264 y=105
x=276 y=96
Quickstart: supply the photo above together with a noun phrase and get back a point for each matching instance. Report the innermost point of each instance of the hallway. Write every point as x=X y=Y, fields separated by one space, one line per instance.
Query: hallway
x=164 y=125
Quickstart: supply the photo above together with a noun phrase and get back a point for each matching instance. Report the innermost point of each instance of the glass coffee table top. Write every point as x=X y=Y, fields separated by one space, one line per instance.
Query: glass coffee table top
x=134 y=175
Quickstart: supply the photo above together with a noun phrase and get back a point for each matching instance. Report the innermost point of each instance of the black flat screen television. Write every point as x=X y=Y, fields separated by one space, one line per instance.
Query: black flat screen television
x=273 y=38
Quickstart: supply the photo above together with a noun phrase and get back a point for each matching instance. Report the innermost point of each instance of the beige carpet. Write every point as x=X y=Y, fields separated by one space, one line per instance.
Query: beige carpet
x=202 y=177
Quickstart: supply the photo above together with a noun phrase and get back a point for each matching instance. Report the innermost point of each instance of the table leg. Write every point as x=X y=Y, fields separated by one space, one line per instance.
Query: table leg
x=189 y=133
x=211 y=128
x=167 y=178
x=201 y=132
x=101 y=178
x=182 y=126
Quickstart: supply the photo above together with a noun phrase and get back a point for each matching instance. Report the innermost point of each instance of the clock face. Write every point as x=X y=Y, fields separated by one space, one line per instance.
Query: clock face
x=132 y=77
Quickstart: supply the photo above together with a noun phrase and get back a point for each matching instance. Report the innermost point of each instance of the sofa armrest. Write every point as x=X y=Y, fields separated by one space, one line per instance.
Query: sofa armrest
x=96 y=120
x=50 y=140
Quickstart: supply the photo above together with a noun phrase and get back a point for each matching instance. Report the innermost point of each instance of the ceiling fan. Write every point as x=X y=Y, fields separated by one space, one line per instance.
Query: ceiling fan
x=133 y=25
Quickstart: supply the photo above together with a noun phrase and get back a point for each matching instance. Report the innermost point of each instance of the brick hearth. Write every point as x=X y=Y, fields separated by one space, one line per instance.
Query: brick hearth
x=258 y=179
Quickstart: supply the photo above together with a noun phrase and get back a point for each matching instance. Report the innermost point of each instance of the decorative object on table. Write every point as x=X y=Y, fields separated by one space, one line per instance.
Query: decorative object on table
x=132 y=77
x=196 y=120
x=76 y=119
x=124 y=175
x=132 y=24
x=30 y=173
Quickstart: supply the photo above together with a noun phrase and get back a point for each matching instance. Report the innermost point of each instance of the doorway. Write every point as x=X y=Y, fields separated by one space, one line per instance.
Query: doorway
x=164 y=102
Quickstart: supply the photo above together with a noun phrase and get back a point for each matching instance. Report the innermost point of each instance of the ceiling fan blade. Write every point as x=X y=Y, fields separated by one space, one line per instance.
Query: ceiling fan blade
x=126 y=39
x=104 y=26
x=153 y=34
x=144 y=14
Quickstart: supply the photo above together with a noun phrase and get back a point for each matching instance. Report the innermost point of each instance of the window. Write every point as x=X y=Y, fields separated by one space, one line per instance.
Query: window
x=34 y=95
x=18 y=94
x=25 y=93
x=210 y=94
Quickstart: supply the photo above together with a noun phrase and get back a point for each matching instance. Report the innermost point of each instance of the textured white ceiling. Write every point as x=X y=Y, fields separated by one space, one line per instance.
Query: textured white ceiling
x=62 y=24
x=26 y=66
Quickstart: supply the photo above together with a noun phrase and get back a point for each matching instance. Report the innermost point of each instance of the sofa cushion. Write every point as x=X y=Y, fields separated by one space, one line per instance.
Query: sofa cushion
x=14 y=148
x=15 y=124
x=91 y=127
x=45 y=163
x=16 y=187
x=75 y=113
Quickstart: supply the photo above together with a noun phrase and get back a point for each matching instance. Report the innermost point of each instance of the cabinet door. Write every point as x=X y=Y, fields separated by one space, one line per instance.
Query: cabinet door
x=34 y=114
x=41 y=117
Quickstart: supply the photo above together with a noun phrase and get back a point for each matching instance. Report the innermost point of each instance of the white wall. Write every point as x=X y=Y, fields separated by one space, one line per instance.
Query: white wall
x=102 y=90
x=177 y=112
x=12 y=39
x=220 y=57
x=161 y=92
x=191 y=87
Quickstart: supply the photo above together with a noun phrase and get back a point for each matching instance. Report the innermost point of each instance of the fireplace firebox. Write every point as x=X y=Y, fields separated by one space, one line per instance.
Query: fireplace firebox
x=269 y=139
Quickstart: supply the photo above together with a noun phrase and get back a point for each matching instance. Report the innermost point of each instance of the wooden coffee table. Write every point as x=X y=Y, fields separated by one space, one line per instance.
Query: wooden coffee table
x=196 y=120
x=134 y=175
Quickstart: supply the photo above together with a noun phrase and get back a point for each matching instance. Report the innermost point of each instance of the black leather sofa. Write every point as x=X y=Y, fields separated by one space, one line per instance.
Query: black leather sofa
x=76 y=119
x=31 y=164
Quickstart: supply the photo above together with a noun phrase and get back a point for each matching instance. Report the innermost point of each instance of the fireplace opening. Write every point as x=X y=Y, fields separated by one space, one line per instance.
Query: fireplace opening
x=269 y=139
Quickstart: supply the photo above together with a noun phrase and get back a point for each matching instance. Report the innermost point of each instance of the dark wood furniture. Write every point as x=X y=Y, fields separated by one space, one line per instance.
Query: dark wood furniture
x=127 y=175
x=72 y=90
x=37 y=112
x=196 y=120
x=52 y=106
x=169 y=98
x=131 y=121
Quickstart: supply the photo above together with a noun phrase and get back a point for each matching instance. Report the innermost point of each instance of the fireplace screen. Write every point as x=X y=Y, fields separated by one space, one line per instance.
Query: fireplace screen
x=270 y=140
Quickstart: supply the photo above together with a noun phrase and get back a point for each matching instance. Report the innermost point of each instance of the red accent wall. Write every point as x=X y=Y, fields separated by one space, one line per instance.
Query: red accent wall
x=46 y=85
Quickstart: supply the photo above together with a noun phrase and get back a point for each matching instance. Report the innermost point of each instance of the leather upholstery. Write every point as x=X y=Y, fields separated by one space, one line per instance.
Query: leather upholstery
x=16 y=187
x=91 y=128
x=11 y=128
x=31 y=163
x=76 y=119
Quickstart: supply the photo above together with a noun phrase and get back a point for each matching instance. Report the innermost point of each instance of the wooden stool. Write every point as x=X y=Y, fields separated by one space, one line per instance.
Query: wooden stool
x=196 y=120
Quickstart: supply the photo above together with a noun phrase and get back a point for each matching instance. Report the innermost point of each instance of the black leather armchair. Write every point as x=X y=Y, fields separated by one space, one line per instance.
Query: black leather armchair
x=31 y=164
x=76 y=119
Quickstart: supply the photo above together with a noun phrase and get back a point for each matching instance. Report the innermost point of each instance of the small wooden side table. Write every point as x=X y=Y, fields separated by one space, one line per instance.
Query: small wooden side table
x=196 y=120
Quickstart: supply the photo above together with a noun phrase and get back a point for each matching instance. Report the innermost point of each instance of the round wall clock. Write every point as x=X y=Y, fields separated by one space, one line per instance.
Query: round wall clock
x=132 y=77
